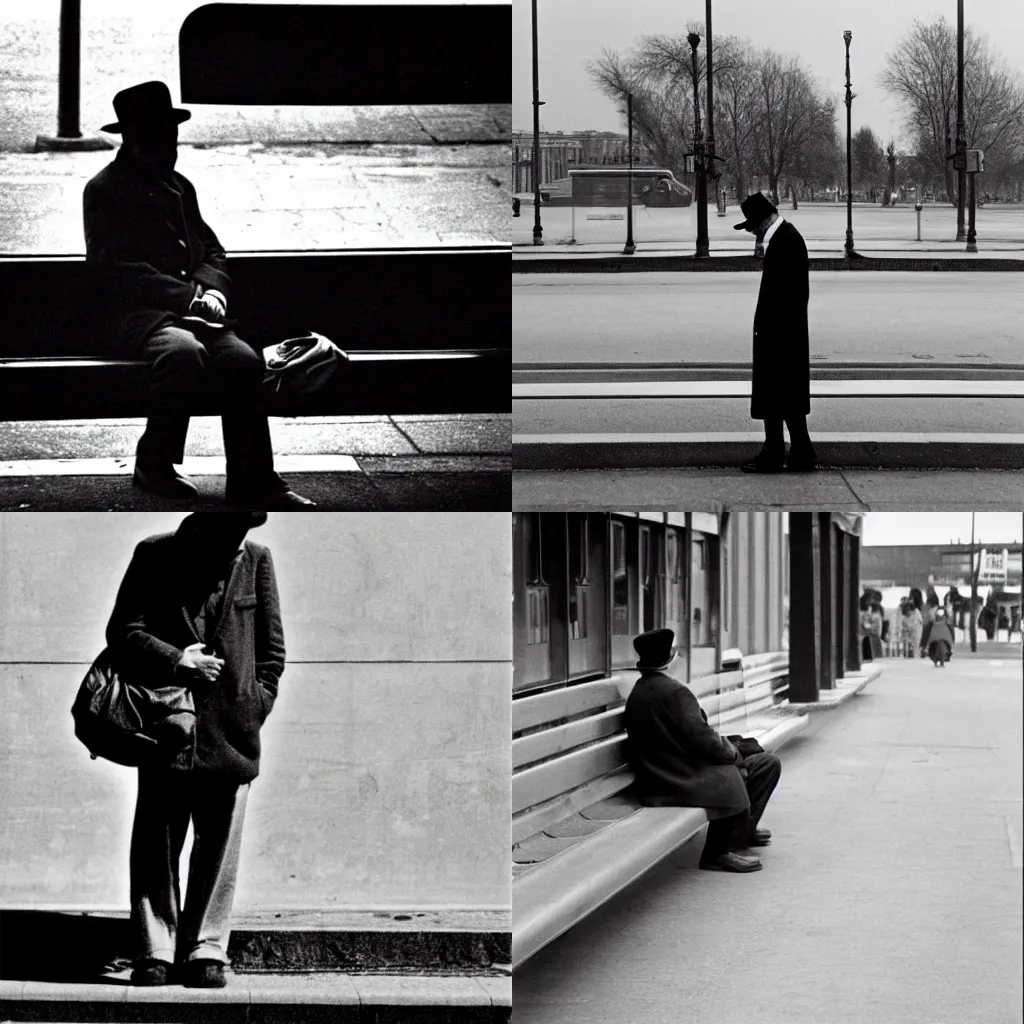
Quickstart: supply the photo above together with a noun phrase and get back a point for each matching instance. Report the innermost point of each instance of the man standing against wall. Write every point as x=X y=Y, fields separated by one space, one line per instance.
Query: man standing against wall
x=197 y=608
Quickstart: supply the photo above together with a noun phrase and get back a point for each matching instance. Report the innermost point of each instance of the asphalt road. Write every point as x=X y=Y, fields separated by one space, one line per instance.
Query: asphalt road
x=891 y=890
x=971 y=319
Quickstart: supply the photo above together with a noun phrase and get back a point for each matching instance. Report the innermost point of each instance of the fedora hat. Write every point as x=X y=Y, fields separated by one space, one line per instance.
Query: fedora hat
x=654 y=648
x=145 y=105
x=756 y=208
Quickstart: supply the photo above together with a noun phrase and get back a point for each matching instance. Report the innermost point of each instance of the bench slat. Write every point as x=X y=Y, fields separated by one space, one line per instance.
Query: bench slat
x=539 y=745
x=551 y=898
x=535 y=785
x=536 y=819
x=530 y=712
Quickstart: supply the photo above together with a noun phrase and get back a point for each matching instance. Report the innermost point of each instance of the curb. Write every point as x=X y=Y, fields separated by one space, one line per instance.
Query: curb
x=748 y=264
x=845 y=690
x=435 y=943
x=553 y=454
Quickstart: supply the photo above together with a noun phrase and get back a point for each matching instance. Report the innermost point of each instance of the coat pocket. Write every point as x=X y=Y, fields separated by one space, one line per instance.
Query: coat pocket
x=245 y=602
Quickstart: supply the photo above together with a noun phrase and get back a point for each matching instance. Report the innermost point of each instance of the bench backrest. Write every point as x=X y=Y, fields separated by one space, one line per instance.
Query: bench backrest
x=569 y=745
x=378 y=301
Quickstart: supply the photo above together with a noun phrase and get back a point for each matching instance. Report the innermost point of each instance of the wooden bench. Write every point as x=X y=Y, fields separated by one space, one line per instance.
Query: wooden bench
x=427 y=332
x=580 y=834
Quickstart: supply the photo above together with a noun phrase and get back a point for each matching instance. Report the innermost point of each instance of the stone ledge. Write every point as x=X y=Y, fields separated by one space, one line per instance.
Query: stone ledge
x=846 y=688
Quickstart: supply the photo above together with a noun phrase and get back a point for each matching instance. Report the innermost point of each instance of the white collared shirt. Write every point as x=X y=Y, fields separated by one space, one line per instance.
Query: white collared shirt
x=771 y=231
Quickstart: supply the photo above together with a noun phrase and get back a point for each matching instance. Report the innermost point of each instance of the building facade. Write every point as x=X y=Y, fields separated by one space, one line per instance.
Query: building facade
x=561 y=152
x=587 y=583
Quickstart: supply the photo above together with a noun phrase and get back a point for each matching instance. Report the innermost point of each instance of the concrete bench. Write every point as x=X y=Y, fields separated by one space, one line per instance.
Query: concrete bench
x=579 y=831
x=450 y=356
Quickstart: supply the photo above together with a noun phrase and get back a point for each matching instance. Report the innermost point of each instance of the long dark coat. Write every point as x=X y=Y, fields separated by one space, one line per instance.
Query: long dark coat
x=147 y=247
x=679 y=760
x=782 y=372
x=150 y=628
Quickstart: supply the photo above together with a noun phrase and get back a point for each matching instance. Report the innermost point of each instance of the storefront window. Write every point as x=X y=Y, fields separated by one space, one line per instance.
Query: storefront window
x=700 y=596
x=538 y=605
x=620 y=580
x=579 y=574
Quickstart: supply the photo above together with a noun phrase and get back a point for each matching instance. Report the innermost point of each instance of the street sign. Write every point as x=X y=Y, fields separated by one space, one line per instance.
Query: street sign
x=959 y=161
x=975 y=161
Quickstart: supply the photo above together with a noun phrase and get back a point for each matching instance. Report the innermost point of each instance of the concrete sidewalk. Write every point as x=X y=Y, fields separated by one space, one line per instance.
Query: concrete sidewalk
x=891 y=891
x=291 y=197
x=371 y=463
x=711 y=490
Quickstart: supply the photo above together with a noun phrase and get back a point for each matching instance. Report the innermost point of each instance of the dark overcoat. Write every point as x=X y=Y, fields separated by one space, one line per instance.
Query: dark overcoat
x=151 y=627
x=679 y=760
x=147 y=246
x=782 y=361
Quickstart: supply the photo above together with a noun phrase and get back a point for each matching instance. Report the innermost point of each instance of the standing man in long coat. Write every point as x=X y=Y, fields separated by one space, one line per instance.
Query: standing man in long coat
x=163 y=281
x=781 y=390
x=680 y=761
x=197 y=608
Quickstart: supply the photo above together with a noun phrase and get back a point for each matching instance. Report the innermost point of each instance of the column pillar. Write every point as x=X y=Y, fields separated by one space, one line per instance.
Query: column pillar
x=826 y=656
x=853 y=606
x=803 y=609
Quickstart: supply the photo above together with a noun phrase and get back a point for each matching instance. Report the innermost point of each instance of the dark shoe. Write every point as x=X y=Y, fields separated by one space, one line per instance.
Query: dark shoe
x=765 y=462
x=801 y=462
x=269 y=501
x=164 y=480
x=151 y=973
x=203 y=974
x=731 y=861
x=760 y=837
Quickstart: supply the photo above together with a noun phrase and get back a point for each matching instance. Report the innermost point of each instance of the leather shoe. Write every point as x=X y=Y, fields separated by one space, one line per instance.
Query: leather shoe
x=269 y=501
x=163 y=480
x=762 y=833
x=801 y=462
x=151 y=973
x=765 y=462
x=731 y=861
x=203 y=974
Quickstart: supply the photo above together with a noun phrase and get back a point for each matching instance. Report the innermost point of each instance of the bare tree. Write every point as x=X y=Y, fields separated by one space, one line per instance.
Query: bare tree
x=892 y=159
x=735 y=108
x=789 y=115
x=922 y=72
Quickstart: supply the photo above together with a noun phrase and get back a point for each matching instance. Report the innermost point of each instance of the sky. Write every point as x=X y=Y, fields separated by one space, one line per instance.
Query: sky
x=571 y=32
x=941 y=527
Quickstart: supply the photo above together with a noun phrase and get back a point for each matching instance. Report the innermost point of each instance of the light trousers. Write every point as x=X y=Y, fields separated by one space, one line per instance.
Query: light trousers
x=167 y=802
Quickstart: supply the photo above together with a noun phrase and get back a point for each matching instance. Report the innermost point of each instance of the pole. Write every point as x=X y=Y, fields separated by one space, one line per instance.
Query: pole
x=848 y=248
x=698 y=156
x=538 y=231
x=709 y=148
x=974 y=579
x=69 y=78
x=630 y=245
x=961 y=129
x=972 y=236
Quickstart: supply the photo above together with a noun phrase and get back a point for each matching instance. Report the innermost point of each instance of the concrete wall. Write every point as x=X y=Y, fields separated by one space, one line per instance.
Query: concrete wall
x=386 y=765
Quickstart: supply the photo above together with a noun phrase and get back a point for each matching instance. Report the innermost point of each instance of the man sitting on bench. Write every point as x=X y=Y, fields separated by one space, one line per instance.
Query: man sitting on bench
x=164 y=282
x=680 y=761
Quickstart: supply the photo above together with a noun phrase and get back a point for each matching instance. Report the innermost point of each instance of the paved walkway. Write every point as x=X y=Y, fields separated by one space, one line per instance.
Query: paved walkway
x=371 y=463
x=292 y=197
x=891 y=892
x=710 y=490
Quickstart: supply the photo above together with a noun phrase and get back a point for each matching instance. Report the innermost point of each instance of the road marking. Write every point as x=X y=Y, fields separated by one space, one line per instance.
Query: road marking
x=741 y=389
x=1016 y=856
x=725 y=437
x=193 y=466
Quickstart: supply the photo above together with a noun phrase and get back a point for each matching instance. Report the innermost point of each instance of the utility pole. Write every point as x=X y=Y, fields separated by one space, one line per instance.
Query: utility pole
x=630 y=244
x=709 y=149
x=960 y=162
x=698 y=156
x=538 y=231
x=848 y=247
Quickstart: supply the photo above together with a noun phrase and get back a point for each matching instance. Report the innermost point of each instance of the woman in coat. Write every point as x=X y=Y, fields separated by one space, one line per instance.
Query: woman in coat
x=940 y=641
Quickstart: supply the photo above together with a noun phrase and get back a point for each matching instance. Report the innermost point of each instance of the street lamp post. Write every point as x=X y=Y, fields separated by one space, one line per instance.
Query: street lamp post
x=630 y=245
x=710 y=147
x=698 y=157
x=538 y=231
x=961 y=130
x=848 y=248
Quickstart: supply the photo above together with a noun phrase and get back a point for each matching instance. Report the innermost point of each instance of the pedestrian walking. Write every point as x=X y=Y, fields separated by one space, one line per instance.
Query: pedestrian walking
x=911 y=625
x=870 y=628
x=198 y=608
x=164 y=288
x=940 y=641
x=781 y=381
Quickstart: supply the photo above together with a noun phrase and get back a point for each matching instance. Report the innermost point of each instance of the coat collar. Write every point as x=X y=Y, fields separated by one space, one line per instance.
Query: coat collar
x=242 y=556
x=769 y=234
